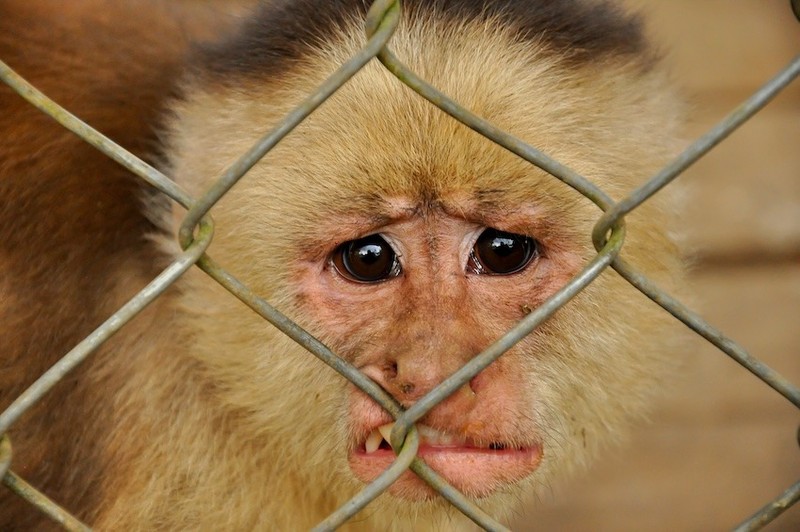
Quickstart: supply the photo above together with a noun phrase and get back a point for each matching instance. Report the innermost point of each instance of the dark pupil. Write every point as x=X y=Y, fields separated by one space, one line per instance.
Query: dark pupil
x=368 y=259
x=503 y=253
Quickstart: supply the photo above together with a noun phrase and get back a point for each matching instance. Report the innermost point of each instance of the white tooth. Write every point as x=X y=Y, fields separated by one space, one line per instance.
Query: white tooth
x=386 y=432
x=373 y=441
x=427 y=434
x=434 y=437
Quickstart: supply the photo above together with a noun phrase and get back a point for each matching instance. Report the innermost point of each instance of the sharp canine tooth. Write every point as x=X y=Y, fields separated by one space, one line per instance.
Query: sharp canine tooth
x=373 y=441
x=386 y=432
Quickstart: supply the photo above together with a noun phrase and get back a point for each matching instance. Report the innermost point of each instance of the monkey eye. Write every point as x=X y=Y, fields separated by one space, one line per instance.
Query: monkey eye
x=367 y=260
x=500 y=253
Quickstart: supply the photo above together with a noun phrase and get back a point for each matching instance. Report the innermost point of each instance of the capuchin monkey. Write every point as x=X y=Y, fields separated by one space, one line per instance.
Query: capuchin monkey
x=402 y=239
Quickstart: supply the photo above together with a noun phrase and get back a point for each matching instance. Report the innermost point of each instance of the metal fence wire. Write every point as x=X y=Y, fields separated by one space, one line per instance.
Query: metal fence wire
x=196 y=233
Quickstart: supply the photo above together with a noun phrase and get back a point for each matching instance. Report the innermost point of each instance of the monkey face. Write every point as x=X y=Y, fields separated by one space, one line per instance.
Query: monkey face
x=408 y=244
x=439 y=289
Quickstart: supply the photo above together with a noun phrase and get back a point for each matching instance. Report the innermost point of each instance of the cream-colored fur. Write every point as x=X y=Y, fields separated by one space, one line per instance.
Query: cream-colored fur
x=225 y=424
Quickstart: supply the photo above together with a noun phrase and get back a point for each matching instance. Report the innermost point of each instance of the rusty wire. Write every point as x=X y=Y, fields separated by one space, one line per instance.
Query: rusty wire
x=197 y=229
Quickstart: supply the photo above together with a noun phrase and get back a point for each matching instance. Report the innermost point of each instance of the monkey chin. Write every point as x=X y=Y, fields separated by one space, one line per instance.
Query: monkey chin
x=476 y=471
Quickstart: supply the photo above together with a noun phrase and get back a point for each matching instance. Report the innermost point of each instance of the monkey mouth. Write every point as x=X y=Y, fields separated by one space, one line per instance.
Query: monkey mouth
x=475 y=468
x=430 y=438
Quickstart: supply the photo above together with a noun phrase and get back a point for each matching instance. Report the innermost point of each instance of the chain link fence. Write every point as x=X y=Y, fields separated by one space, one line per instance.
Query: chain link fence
x=197 y=229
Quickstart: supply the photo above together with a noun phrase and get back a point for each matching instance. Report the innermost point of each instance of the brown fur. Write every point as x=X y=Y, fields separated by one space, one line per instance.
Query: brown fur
x=73 y=231
x=199 y=415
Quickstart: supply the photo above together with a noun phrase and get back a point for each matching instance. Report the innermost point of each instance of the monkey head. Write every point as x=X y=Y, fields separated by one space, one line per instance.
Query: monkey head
x=408 y=243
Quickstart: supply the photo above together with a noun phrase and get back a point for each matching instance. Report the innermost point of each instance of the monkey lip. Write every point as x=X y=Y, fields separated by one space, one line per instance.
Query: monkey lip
x=475 y=469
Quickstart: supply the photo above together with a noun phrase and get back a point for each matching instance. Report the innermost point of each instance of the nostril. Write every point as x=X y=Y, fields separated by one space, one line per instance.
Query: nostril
x=390 y=370
x=475 y=383
x=406 y=388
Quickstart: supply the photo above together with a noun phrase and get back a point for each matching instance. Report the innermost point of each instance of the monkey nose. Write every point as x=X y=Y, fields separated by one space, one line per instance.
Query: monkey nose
x=408 y=383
